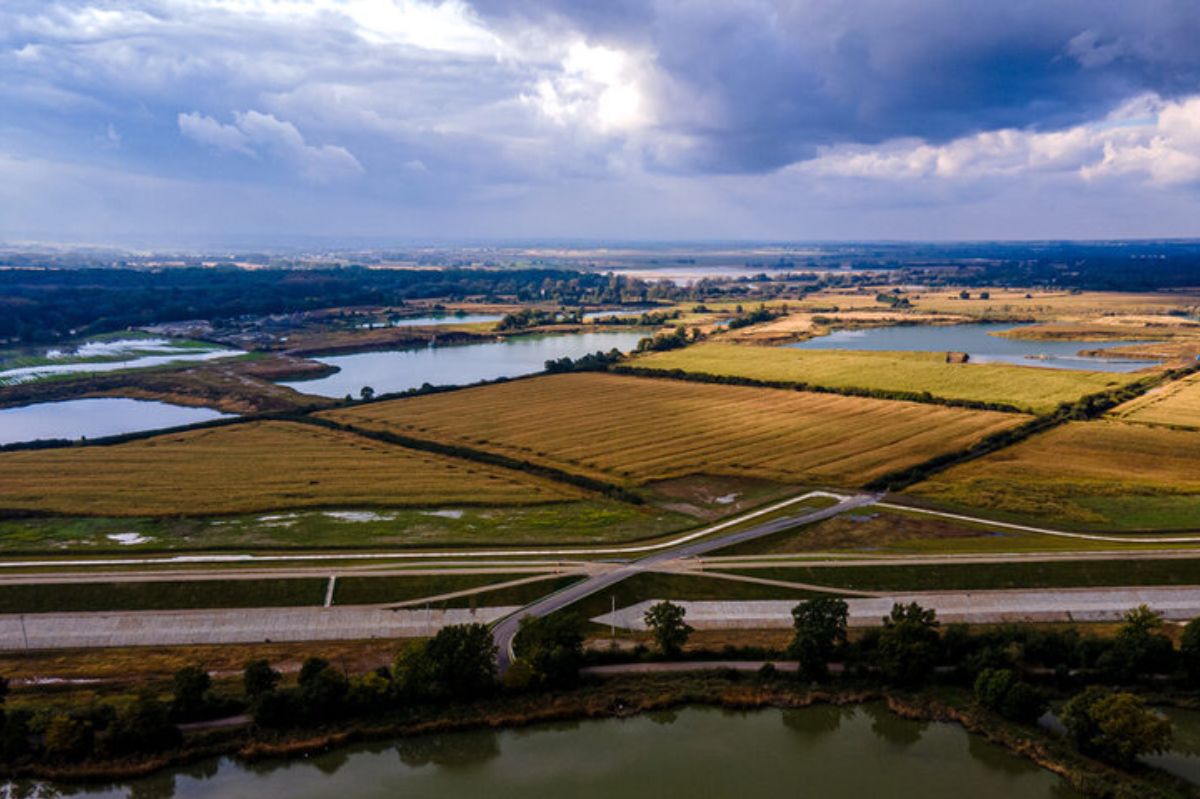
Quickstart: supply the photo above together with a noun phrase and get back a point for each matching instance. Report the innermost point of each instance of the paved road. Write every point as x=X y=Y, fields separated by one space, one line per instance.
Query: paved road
x=240 y=625
x=506 y=630
x=976 y=607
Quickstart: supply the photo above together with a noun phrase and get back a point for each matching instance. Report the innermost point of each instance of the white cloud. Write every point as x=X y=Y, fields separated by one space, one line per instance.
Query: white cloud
x=1147 y=137
x=254 y=132
x=597 y=85
x=207 y=130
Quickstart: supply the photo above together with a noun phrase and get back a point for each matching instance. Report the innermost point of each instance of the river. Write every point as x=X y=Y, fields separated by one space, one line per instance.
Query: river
x=825 y=752
x=389 y=371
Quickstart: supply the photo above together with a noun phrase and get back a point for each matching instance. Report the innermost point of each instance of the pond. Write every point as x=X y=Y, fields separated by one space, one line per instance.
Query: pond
x=822 y=751
x=400 y=370
x=436 y=319
x=109 y=356
x=1183 y=760
x=94 y=418
x=981 y=342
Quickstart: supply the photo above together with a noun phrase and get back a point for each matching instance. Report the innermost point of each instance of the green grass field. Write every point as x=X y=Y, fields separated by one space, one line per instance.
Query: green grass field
x=167 y=595
x=639 y=430
x=383 y=590
x=580 y=522
x=1035 y=389
x=1101 y=474
x=988 y=576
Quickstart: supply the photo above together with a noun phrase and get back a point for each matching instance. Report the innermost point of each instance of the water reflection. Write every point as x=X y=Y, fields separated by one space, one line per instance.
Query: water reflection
x=452 y=751
x=981 y=342
x=95 y=418
x=404 y=369
x=689 y=751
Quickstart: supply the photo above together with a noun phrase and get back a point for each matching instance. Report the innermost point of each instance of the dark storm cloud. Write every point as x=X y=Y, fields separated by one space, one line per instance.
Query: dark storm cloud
x=776 y=80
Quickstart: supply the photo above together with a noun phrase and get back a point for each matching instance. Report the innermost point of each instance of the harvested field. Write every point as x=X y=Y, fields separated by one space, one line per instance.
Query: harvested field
x=639 y=429
x=1036 y=389
x=1102 y=474
x=1175 y=404
x=252 y=467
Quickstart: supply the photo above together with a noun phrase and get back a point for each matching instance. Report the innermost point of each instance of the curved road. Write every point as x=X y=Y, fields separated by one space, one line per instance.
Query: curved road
x=506 y=629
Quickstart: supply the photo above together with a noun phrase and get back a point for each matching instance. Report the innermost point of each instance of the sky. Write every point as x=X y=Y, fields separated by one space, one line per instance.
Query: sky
x=269 y=121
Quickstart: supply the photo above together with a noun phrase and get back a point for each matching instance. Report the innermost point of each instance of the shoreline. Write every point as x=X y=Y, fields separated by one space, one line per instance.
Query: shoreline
x=620 y=697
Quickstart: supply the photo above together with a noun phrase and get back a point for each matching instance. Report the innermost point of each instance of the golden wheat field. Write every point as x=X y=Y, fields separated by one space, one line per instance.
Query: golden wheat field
x=252 y=467
x=642 y=429
x=1104 y=474
x=1176 y=404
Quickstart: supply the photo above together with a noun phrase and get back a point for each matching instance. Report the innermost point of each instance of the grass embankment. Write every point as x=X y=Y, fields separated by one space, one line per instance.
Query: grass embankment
x=680 y=587
x=1027 y=388
x=173 y=595
x=1097 y=474
x=593 y=521
x=1173 y=405
x=988 y=576
x=639 y=430
x=385 y=590
x=874 y=531
x=183 y=594
x=251 y=467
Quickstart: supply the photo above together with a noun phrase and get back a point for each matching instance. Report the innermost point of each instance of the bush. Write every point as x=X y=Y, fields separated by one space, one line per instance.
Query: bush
x=1113 y=726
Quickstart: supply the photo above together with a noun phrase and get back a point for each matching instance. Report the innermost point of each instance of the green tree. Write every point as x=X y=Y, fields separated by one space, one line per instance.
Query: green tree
x=1139 y=648
x=258 y=677
x=190 y=697
x=367 y=393
x=66 y=737
x=671 y=632
x=552 y=646
x=820 y=626
x=908 y=644
x=1189 y=649
x=999 y=690
x=1114 y=726
x=144 y=726
x=457 y=663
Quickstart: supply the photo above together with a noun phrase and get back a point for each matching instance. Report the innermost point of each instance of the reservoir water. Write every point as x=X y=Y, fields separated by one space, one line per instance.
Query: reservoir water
x=94 y=418
x=438 y=319
x=981 y=342
x=400 y=370
x=700 y=753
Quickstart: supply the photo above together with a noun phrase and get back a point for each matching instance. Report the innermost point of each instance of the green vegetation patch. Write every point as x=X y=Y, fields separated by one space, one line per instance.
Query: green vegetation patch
x=1032 y=388
x=173 y=595
x=989 y=576
x=383 y=590
x=553 y=524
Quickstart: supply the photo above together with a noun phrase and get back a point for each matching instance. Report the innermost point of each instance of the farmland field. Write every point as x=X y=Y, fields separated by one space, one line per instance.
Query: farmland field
x=1175 y=404
x=1038 y=390
x=639 y=429
x=1102 y=474
x=251 y=467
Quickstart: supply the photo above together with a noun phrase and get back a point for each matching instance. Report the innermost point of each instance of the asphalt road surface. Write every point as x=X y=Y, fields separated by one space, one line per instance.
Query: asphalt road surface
x=506 y=630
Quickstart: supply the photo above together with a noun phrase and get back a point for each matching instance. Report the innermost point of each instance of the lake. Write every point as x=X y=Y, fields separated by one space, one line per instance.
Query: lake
x=981 y=341
x=437 y=319
x=403 y=369
x=95 y=418
x=1184 y=758
x=112 y=355
x=825 y=752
